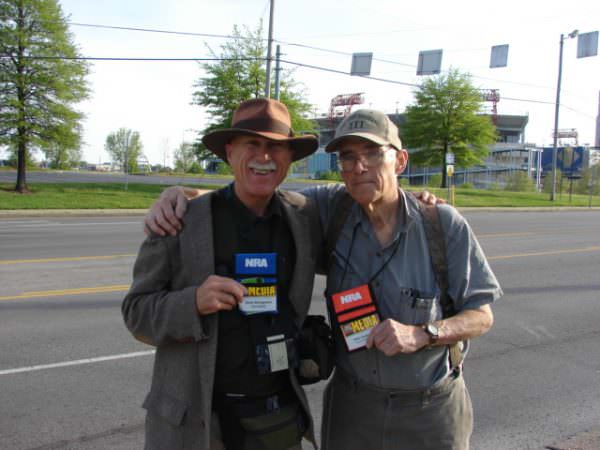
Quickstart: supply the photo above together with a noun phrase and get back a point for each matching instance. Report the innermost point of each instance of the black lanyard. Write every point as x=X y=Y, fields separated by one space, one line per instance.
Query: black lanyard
x=347 y=259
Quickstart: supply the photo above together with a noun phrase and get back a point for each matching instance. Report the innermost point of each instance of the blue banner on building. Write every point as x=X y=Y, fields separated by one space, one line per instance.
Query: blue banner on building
x=569 y=160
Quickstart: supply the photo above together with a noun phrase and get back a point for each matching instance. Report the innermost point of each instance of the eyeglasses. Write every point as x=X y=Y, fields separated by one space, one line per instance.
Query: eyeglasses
x=372 y=158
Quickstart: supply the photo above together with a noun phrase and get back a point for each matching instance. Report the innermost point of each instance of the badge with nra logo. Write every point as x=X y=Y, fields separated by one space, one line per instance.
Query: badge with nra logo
x=356 y=314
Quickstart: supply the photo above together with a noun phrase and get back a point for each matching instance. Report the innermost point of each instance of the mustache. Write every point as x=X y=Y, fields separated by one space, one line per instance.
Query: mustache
x=266 y=166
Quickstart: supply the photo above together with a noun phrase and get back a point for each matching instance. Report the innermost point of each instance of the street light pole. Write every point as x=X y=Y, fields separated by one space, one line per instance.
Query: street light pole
x=572 y=34
x=269 y=45
x=277 y=70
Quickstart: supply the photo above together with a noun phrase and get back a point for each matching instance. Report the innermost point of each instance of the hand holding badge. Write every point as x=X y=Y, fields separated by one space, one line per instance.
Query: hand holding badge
x=356 y=313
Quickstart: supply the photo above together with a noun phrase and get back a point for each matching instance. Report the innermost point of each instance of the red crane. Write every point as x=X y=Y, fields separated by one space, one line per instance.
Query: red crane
x=347 y=100
x=493 y=96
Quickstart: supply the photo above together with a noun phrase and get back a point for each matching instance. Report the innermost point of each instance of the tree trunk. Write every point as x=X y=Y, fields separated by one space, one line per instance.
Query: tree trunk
x=444 y=178
x=21 y=185
x=443 y=167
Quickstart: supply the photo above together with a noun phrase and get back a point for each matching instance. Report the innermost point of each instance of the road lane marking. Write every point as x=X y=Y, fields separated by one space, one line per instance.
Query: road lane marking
x=61 y=292
x=550 y=252
x=66 y=258
x=124 y=287
x=76 y=362
x=521 y=234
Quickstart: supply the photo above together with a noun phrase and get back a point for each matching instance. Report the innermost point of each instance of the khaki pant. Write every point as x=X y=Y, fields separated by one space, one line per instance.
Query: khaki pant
x=359 y=417
x=216 y=442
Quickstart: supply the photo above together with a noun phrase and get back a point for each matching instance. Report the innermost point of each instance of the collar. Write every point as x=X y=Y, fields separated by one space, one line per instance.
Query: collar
x=274 y=208
x=407 y=211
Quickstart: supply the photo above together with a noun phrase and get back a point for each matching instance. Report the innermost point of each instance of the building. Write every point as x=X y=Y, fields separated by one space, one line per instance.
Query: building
x=510 y=153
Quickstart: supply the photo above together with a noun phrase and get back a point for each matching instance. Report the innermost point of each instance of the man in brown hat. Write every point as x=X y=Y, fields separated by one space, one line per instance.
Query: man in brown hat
x=400 y=324
x=223 y=300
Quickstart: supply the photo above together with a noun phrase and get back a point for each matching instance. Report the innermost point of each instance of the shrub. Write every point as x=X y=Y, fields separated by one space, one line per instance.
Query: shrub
x=434 y=180
x=195 y=168
x=328 y=175
x=519 y=182
x=224 y=169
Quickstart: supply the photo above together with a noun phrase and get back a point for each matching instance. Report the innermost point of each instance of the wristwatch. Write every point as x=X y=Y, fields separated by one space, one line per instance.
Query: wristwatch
x=433 y=331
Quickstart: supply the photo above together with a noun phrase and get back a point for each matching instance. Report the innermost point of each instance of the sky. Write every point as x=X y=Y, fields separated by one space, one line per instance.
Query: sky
x=154 y=98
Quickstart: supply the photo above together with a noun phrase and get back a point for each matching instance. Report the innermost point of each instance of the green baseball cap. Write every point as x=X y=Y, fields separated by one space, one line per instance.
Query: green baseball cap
x=368 y=124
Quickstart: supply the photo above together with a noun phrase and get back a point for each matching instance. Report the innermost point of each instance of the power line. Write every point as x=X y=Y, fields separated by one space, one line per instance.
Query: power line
x=310 y=66
x=291 y=44
x=97 y=58
x=153 y=30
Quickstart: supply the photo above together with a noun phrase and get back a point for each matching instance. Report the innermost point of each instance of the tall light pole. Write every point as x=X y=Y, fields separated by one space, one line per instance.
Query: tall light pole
x=571 y=35
x=269 y=45
x=277 y=70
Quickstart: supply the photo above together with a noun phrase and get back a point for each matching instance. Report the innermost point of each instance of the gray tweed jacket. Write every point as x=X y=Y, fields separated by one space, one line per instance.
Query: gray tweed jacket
x=160 y=310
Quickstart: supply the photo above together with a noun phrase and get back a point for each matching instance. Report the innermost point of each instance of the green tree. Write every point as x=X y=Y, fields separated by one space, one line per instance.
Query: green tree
x=184 y=157
x=40 y=80
x=224 y=169
x=13 y=158
x=240 y=75
x=445 y=118
x=124 y=145
x=195 y=168
x=62 y=157
x=589 y=175
x=547 y=187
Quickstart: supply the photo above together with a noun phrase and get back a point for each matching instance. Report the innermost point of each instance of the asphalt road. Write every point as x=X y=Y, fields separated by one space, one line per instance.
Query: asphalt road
x=71 y=377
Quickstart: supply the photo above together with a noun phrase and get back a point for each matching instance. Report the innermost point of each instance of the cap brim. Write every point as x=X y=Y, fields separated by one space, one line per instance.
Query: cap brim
x=302 y=146
x=331 y=146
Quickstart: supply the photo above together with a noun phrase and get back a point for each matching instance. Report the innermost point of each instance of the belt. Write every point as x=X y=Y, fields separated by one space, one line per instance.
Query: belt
x=408 y=395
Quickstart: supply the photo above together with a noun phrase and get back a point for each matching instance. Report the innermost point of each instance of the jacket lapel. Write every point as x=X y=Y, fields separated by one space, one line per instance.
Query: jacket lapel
x=303 y=275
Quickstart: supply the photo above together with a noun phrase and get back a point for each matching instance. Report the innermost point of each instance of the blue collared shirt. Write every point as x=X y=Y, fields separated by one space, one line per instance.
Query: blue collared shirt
x=471 y=284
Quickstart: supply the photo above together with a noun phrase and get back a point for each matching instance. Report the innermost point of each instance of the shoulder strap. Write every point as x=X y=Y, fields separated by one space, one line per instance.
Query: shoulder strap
x=437 y=253
x=341 y=211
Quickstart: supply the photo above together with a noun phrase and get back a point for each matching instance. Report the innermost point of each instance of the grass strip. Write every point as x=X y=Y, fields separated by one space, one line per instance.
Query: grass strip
x=114 y=196
x=84 y=195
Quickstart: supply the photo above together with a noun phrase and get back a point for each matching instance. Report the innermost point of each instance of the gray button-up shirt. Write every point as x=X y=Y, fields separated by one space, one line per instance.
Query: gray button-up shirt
x=359 y=256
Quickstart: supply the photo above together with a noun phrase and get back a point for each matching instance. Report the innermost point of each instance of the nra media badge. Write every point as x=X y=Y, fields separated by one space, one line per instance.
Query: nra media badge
x=258 y=272
x=356 y=314
x=261 y=297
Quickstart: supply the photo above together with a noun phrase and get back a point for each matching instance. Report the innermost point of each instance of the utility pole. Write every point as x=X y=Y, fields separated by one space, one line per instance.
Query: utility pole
x=126 y=159
x=269 y=45
x=572 y=34
x=277 y=70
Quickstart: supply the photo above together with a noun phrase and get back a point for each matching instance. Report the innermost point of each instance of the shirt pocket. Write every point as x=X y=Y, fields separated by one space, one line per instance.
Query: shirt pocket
x=413 y=307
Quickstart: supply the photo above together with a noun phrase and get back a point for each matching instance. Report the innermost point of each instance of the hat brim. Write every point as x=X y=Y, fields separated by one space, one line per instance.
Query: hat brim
x=331 y=146
x=302 y=146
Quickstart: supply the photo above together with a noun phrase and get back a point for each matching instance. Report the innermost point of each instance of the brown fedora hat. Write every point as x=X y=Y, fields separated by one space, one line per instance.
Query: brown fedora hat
x=261 y=117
